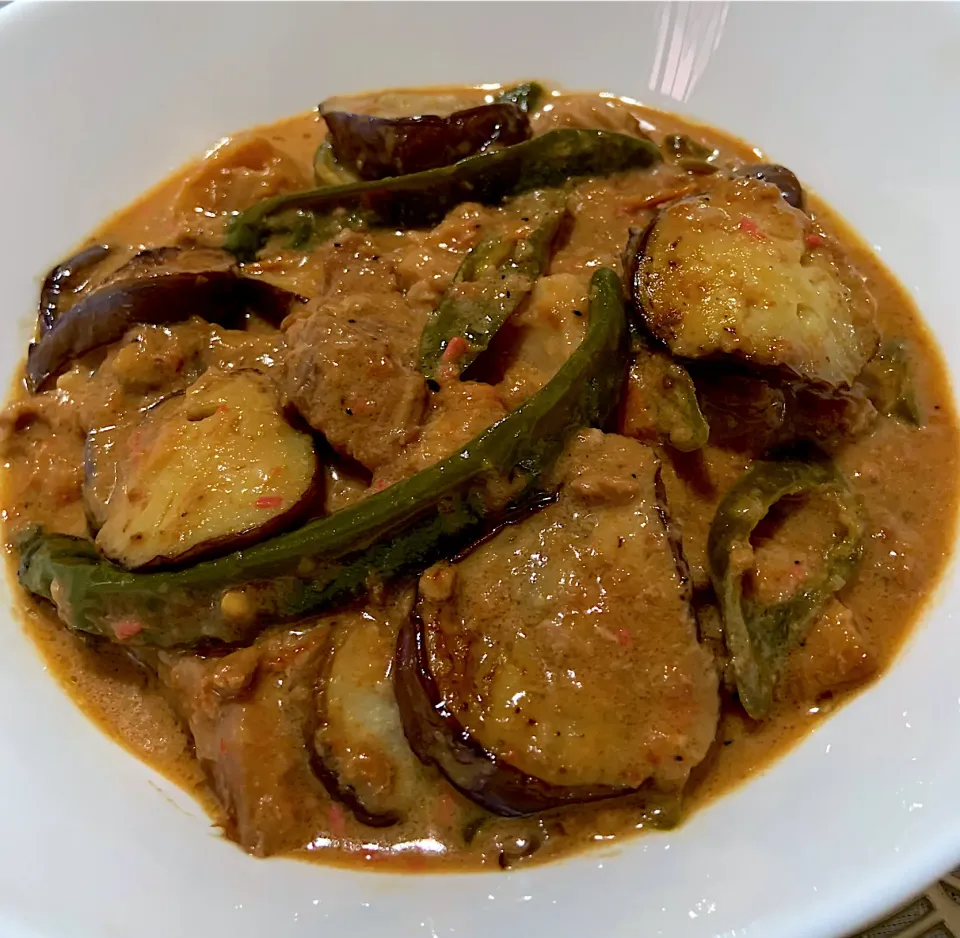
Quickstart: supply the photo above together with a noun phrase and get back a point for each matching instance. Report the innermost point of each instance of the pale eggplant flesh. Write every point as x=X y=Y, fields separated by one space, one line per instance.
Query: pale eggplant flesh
x=535 y=673
x=358 y=749
x=200 y=474
x=740 y=274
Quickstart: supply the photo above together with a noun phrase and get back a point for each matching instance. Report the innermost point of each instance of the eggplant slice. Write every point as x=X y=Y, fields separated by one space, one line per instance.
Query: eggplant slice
x=783 y=178
x=558 y=662
x=754 y=413
x=377 y=147
x=740 y=273
x=201 y=473
x=359 y=751
x=158 y=286
x=66 y=282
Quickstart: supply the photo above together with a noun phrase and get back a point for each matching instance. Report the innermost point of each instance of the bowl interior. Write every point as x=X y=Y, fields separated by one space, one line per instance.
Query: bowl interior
x=101 y=101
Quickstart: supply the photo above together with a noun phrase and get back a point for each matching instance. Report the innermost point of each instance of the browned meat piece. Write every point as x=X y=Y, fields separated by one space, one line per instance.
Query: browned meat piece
x=352 y=381
x=43 y=437
x=532 y=345
x=458 y=412
x=247 y=713
x=565 y=646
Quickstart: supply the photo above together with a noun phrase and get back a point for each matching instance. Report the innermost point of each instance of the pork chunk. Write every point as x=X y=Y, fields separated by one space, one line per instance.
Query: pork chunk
x=352 y=378
x=247 y=713
x=458 y=412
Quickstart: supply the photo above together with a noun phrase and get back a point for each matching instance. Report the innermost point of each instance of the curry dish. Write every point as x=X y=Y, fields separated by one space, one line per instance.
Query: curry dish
x=457 y=478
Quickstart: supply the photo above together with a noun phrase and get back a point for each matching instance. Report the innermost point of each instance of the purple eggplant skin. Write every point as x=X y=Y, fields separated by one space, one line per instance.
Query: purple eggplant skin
x=344 y=793
x=780 y=176
x=157 y=296
x=755 y=412
x=64 y=281
x=437 y=738
x=377 y=147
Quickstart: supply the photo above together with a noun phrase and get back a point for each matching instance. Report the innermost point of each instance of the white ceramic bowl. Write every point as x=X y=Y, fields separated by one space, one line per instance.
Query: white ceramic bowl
x=101 y=101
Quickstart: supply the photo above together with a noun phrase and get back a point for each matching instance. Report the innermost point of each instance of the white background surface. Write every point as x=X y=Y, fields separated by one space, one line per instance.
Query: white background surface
x=861 y=101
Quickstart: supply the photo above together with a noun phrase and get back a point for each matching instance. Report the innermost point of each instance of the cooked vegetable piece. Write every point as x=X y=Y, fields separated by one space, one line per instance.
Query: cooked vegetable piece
x=492 y=281
x=742 y=409
x=419 y=198
x=159 y=286
x=399 y=530
x=888 y=380
x=327 y=171
x=660 y=401
x=741 y=273
x=101 y=458
x=358 y=750
x=754 y=413
x=780 y=176
x=762 y=630
x=689 y=155
x=204 y=473
x=558 y=662
x=377 y=147
x=526 y=96
x=65 y=282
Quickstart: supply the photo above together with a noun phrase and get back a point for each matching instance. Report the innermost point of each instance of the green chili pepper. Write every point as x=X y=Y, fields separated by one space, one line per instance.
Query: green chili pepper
x=327 y=171
x=422 y=198
x=759 y=638
x=492 y=281
x=690 y=155
x=888 y=380
x=401 y=530
x=526 y=96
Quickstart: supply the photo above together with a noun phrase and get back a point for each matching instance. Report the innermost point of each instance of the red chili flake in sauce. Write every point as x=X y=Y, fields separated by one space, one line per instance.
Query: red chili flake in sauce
x=751 y=228
x=223 y=409
x=456 y=348
x=814 y=240
x=623 y=637
x=337 y=821
x=127 y=628
x=269 y=501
